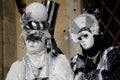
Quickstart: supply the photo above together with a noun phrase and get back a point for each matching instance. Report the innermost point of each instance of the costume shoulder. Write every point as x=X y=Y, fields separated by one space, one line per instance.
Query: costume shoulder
x=113 y=56
x=112 y=53
x=63 y=68
x=63 y=62
x=17 y=65
x=114 y=50
x=78 y=60
x=62 y=58
x=16 y=71
x=77 y=63
x=113 y=64
x=78 y=56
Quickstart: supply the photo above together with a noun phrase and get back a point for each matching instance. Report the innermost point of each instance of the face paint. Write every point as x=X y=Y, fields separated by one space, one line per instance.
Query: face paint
x=86 y=39
x=35 y=41
x=35 y=37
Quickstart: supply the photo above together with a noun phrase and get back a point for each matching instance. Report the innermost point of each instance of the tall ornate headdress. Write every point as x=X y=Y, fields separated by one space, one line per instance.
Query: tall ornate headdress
x=83 y=22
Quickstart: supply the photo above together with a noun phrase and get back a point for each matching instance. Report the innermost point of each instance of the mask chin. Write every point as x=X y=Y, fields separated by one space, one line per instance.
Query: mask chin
x=86 y=48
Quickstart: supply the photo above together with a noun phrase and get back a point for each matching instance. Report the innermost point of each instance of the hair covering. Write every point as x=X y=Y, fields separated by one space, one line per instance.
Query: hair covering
x=34 y=12
x=84 y=20
x=37 y=11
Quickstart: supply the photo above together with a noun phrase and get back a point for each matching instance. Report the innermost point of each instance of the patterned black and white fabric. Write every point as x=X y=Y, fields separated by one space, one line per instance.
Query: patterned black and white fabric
x=52 y=8
x=108 y=67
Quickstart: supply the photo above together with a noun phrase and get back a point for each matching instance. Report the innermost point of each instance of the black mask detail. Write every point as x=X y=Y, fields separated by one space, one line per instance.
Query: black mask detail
x=35 y=37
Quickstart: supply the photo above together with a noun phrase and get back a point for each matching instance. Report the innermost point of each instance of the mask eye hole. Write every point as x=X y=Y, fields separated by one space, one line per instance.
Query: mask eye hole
x=28 y=38
x=33 y=37
x=36 y=38
x=79 y=38
x=85 y=36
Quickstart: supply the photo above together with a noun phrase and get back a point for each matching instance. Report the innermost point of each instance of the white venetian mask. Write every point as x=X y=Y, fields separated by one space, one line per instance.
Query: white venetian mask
x=86 y=39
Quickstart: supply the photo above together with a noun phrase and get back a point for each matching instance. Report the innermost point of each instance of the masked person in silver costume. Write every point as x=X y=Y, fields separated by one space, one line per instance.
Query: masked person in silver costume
x=42 y=61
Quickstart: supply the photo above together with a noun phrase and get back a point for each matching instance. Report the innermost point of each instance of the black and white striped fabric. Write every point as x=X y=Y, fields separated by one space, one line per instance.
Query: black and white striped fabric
x=52 y=8
x=34 y=25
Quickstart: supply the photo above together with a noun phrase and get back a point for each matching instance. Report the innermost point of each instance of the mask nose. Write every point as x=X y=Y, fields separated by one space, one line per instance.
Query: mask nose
x=82 y=40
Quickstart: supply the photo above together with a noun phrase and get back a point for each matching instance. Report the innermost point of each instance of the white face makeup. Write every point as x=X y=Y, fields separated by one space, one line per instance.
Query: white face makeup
x=86 y=39
x=35 y=43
